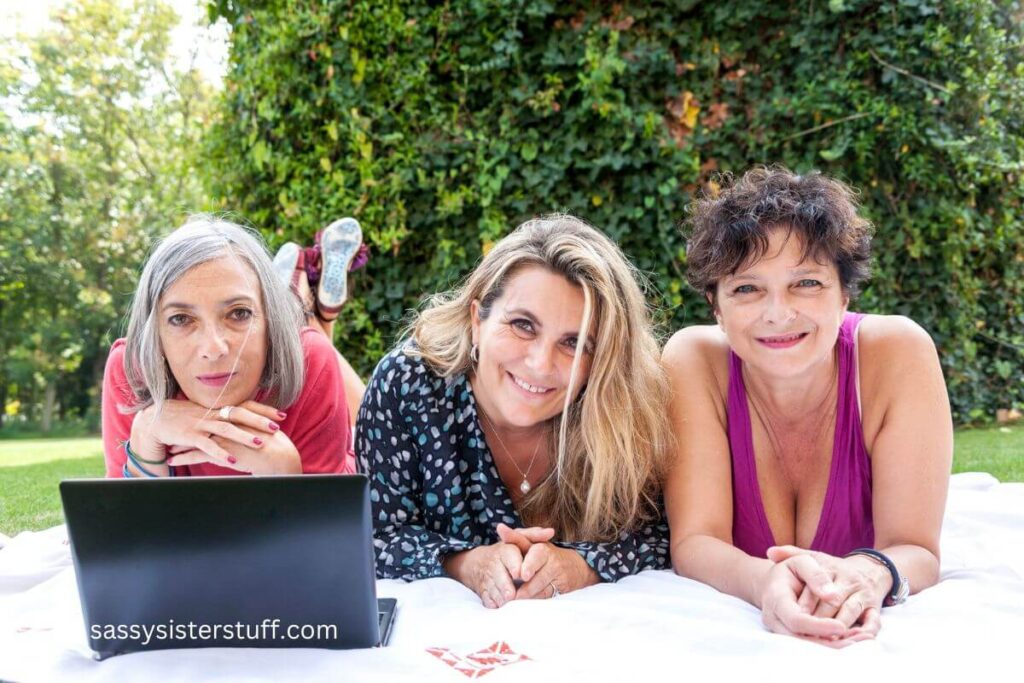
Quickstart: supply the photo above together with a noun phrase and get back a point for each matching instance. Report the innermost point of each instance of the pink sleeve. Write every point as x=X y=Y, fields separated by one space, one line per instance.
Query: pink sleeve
x=117 y=426
x=318 y=421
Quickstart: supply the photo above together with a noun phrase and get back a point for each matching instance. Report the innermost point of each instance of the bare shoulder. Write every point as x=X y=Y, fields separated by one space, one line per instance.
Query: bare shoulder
x=700 y=344
x=899 y=369
x=907 y=429
x=698 y=353
x=885 y=339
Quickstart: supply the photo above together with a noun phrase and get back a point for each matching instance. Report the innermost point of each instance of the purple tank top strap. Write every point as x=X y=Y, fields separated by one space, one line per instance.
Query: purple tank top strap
x=845 y=521
x=751 y=532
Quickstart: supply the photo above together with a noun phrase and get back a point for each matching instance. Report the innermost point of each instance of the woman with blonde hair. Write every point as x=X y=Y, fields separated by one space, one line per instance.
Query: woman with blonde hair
x=516 y=440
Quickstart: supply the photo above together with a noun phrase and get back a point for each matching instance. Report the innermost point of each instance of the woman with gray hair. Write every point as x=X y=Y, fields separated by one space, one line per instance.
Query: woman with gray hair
x=217 y=374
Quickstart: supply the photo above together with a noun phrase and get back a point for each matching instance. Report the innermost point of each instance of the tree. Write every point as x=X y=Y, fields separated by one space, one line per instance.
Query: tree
x=95 y=160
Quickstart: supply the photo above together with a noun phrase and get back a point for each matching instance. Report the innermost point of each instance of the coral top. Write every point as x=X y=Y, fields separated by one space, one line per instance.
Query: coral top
x=845 y=521
x=317 y=423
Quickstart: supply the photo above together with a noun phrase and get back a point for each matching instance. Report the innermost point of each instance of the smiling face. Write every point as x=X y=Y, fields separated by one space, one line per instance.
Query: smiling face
x=526 y=348
x=782 y=314
x=213 y=332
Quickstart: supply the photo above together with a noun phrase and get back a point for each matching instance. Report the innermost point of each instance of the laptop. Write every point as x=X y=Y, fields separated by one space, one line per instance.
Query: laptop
x=282 y=562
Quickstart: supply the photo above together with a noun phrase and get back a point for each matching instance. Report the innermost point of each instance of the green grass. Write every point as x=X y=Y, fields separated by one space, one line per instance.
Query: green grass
x=996 y=450
x=29 y=472
x=31 y=468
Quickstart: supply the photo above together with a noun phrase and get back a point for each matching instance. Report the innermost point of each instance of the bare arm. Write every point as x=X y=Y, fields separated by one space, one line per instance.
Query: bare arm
x=913 y=450
x=698 y=490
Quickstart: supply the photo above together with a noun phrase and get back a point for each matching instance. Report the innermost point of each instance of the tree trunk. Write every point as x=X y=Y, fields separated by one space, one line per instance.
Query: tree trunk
x=49 y=403
x=3 y=399
x=3 y=375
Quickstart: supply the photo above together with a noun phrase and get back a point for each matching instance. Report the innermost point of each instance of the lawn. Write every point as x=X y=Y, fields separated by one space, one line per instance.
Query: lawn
x=29 y=472
x=31 y=468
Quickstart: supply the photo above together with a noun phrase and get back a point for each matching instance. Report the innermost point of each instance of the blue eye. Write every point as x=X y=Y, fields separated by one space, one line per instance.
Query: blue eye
x=808 y=282
x=744 y=289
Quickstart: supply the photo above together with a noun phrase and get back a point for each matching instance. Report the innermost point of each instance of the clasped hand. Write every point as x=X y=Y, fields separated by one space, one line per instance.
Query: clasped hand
x=523 y=565
x=815 y=596
x=188 y=434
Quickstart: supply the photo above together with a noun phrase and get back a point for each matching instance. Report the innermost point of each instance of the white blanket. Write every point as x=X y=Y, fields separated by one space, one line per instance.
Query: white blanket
x=654 y=625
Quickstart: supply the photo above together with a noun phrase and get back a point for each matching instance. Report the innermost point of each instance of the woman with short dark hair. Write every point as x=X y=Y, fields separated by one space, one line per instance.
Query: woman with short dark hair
x=814 y=444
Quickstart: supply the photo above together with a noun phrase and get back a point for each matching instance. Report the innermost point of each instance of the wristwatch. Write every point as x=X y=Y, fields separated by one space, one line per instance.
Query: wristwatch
x=900 y=584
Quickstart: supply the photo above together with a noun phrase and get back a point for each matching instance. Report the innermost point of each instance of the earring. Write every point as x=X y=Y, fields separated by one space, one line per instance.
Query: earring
x=474 y=354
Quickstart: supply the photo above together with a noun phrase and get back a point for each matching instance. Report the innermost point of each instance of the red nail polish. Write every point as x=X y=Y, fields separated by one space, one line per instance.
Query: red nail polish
x=281 y=415
x=232 y=459
x=274 y=426
x=257 y=440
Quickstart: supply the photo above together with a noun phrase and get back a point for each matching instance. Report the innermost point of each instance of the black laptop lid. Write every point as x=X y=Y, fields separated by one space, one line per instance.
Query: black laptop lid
x=223 y=561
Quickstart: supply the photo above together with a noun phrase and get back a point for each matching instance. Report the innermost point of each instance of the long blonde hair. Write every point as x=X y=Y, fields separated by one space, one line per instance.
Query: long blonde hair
x=613 y=439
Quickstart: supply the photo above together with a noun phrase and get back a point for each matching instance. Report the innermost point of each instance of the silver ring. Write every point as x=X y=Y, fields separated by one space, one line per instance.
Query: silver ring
x=225 y=413
x=554 y=590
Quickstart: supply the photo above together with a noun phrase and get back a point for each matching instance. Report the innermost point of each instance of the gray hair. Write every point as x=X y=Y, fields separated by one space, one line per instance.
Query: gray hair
x=205 y=238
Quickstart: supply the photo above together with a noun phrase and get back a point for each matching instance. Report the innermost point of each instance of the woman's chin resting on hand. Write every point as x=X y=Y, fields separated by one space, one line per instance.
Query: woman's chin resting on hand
x=215 y=344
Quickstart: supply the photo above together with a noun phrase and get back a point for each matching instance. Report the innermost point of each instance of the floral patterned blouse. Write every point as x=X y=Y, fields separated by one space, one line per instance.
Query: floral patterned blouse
x=434 y=487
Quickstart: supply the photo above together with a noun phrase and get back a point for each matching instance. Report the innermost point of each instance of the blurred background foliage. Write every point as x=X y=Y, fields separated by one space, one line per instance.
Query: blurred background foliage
x=443 y=125
x=98 y=143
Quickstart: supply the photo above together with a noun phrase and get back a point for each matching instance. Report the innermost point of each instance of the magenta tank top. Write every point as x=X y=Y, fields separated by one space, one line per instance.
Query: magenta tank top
x=845 y=521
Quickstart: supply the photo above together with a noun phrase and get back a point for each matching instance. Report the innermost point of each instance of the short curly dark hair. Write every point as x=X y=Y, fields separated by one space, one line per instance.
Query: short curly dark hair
x=731 y=230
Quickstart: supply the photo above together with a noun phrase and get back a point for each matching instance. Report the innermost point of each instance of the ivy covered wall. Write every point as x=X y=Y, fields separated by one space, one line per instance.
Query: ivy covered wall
x=442 y=125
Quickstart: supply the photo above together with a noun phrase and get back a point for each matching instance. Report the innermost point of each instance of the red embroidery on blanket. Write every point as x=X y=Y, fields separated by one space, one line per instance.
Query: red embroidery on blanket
x=481 y=662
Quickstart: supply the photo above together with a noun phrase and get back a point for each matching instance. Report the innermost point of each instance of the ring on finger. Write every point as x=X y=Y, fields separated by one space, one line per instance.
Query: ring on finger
x=554 y=590
x=225 y=413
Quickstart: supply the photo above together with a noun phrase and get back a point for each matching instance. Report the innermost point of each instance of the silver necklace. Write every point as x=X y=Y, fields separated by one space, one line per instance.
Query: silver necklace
x=525 y=485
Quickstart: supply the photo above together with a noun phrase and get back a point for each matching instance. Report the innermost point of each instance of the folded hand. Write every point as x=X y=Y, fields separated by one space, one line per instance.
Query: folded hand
x=858 y=588
x=547 y=570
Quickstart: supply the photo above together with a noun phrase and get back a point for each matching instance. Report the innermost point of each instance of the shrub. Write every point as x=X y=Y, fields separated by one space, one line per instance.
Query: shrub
x=443 y=125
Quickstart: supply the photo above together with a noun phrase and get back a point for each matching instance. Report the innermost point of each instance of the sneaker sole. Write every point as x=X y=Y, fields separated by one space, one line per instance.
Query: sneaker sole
x=339 y=244
x=285 y=261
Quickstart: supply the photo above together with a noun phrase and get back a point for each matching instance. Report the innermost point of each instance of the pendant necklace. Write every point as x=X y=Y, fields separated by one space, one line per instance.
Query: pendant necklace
x=525 y=485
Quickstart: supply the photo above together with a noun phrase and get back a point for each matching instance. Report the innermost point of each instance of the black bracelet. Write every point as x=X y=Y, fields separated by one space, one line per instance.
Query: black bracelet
x=138 y=458
x=900 y=585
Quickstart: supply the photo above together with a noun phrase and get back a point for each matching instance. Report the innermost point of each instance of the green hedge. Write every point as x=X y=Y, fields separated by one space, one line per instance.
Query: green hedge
x=443 y=125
